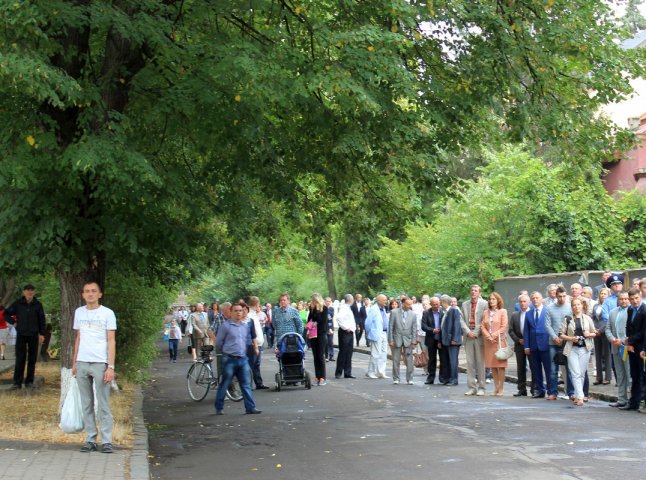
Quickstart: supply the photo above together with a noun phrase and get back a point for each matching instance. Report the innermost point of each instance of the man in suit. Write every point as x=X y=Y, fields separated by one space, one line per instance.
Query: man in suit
x=537 y=345
x=360 y=315
x=402 y=334
x=472 y=311
x=431 y=320
x=451 y=334
x=516 y=332
x=615 y=332
x=635 y=324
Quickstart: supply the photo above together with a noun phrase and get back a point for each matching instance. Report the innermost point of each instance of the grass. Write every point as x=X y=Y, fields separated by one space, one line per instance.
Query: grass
x=32 y=415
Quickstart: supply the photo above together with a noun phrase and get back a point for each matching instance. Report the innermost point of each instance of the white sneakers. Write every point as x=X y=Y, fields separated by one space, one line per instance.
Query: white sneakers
x=470 y=392
x=371 y=375
x=410 y=382
x=395 y=382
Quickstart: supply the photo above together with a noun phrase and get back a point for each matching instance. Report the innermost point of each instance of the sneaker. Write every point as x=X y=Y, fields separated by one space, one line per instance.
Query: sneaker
x=395 y=382
x=106 y=448
x=219 y=412
x=323 y=382
x=488 y=380
x=470 y=392
x=410 y=382
x=480 y=393
x=371 y=375
x=89 y=447
x=384 y=376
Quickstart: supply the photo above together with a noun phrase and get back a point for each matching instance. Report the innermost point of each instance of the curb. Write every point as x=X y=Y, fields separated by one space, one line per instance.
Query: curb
x=139 y=468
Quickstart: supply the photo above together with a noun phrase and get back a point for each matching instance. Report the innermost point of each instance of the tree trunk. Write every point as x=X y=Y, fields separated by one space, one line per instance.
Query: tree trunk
x=71 y=285
x=7 y=290
x=329 y=268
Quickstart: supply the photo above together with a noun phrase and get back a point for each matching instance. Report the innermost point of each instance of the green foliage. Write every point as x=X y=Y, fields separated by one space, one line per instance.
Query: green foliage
x=631 y=208
x=299 y=278
x=633 y=20
x=139 y=307
x=521 y=217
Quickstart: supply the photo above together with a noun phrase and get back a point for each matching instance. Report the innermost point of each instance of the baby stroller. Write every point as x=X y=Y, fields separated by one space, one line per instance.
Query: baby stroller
x=290 y=352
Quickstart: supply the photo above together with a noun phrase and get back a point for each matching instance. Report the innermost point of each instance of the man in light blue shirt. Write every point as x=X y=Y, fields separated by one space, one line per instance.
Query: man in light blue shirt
x=556 y=313
x=376 y=327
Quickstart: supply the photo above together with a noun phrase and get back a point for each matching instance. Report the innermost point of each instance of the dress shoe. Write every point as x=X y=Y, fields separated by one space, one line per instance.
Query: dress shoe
x=262 y=387
x=597 y=382
x=628 y=407
x=617 y=404
x=349 y=376
x=428 y=383
x=89 y=447
x=538 y=395
x=253 y=412
x=520 y=394
x=106 y=448
x=219 y=412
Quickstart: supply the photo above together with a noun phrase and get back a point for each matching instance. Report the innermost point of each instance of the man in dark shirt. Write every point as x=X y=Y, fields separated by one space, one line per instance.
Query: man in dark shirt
x=30 y=330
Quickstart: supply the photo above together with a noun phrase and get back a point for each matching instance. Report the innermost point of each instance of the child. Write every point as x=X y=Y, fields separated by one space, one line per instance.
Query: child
x=174 y=337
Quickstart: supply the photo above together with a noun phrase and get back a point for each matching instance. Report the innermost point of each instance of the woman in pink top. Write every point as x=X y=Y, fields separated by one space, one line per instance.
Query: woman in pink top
x=494 y=331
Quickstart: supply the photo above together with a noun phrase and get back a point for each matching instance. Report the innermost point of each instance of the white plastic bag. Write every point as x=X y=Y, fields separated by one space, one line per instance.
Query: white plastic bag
x=11 y=337
x=72 y=412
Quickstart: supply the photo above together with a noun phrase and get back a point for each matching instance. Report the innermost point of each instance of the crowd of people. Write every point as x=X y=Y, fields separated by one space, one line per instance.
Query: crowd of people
x=552 y=336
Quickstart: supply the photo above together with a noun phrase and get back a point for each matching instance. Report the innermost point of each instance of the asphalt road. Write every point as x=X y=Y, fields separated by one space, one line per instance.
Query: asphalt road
x=373 y=429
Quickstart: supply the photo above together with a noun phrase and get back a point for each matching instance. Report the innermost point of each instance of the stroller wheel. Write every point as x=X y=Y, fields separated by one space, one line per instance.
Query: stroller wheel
x=308 y=380
x=278 y=382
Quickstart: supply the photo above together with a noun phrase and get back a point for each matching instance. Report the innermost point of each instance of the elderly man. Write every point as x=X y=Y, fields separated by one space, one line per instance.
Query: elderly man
x=451 y=332
x=472 y=312
x=431 y=320
x=537 y=346
x=377 y=335
x=516 y=332
x=347 y=326
x=402 y=334
x=615 y=332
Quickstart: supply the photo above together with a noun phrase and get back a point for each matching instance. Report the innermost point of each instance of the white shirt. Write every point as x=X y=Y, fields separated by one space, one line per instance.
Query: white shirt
x=93 y=326
x=345 y=318
x=260 y=338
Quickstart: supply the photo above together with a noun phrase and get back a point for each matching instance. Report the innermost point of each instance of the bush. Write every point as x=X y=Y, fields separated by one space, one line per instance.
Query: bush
x=139 y=307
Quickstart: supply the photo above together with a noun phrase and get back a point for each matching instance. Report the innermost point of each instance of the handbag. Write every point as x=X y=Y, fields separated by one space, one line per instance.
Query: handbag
x=503 y=353
x=420 y=358
x=559 y=357
x=72 y=411
x=312 y=330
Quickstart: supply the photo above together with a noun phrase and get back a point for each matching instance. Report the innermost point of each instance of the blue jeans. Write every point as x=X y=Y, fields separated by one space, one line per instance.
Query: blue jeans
x=238 y=366
x=553 y=384
x=172 y=348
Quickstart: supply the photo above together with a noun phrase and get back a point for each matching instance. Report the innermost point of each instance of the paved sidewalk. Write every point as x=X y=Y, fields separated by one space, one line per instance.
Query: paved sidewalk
x=34 y=461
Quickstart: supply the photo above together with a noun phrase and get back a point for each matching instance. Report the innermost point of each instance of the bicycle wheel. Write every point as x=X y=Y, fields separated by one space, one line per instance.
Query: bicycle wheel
x=198 y=380
x=234 y=392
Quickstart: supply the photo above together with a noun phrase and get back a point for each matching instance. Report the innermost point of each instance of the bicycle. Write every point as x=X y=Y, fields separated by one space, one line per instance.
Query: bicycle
x=200 y=378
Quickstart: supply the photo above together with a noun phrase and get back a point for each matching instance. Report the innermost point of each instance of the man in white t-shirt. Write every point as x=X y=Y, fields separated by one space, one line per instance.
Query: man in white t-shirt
x=94 y=354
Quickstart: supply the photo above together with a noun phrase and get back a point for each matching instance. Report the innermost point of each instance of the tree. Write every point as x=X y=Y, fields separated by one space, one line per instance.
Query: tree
x=521 y=217
x=143 y=133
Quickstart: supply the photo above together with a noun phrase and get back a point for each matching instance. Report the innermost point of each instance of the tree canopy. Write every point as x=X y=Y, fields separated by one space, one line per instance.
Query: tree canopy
x=141 y=134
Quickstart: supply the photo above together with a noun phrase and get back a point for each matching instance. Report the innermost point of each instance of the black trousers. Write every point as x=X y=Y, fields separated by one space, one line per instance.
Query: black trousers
x=319 y=346
x=359 y=331
x=26 y=352
x=521 y=365
x=435 y=350
x=636 y=372
x=344 y=357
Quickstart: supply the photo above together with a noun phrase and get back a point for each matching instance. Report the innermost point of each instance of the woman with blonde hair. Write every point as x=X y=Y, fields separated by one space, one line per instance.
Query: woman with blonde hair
x=578 y=332
x=494 y=330
x=316 y=333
